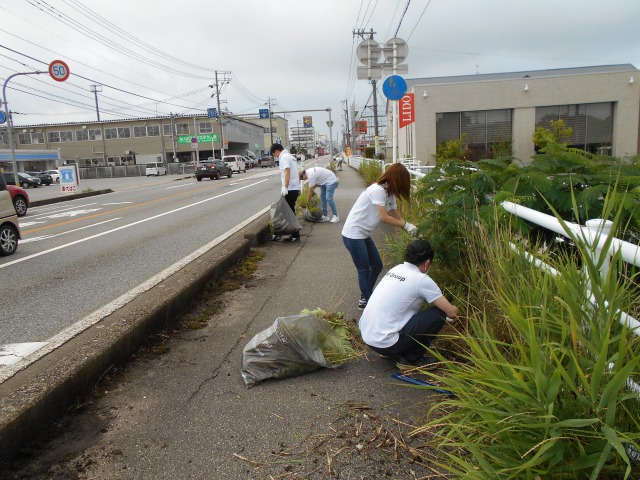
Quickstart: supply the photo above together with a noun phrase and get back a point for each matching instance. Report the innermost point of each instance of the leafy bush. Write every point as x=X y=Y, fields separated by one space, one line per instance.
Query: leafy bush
x=370 y=170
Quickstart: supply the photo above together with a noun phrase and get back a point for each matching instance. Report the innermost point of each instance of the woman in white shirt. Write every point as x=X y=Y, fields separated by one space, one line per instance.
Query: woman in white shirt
x=376 y=204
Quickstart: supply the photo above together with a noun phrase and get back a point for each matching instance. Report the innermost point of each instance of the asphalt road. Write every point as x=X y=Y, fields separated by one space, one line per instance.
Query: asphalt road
x=81 y=259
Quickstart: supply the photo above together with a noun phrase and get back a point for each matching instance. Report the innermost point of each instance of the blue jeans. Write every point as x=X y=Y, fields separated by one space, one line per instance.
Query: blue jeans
x=326 y=195
x=417 y=334
x=366 y=258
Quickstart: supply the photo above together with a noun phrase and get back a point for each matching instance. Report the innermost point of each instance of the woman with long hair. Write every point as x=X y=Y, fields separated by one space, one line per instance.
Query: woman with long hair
x=376 y=204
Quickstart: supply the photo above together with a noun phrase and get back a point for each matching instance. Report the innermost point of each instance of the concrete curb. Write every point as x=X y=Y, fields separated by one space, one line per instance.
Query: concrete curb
x=58 y=383
x=75 y=196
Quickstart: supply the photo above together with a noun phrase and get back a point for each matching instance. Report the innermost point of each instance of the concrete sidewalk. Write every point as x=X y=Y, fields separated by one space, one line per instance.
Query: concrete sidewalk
x=188 y=414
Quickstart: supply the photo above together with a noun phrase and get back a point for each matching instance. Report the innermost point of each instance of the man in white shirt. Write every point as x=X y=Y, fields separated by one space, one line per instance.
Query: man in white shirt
x=328 y=182
x=290 y=182
x=392 y=323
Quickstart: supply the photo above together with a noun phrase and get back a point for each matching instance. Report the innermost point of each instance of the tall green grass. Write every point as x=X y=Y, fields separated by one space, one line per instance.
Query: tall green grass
x=541 y=390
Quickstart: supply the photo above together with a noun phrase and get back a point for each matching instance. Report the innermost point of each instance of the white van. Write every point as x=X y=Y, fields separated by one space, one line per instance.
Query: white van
x=156 y=168
x=9 y=227
x=235 y=162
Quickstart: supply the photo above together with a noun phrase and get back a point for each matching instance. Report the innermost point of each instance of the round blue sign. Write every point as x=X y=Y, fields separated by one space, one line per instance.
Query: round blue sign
x=394 y=87
x=3 y=117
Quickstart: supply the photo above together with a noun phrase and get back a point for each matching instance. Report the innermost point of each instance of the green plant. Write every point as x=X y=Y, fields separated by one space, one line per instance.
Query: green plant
x=369 y=152
x=370 y=170
x=542 y=391
x=450 y=149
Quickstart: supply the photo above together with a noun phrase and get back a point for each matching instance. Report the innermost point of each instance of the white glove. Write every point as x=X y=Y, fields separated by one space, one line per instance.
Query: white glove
x=284 y=191
x=410 y=228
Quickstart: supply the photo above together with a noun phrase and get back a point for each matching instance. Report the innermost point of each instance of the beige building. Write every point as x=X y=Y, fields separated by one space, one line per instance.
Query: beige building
x=601 y=104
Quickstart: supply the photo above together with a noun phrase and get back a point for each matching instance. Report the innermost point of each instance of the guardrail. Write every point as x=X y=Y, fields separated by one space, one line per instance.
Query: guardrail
x=119 y=171
x=415 y=167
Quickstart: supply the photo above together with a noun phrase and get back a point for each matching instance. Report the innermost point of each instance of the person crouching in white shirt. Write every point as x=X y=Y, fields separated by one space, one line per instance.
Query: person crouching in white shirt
x=328 y=182
x=392 y=323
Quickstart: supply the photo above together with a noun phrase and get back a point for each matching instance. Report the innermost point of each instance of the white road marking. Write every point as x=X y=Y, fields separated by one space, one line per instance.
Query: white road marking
x=44 y=237
x=82 y=240
x=117 y=203
x=93 y=318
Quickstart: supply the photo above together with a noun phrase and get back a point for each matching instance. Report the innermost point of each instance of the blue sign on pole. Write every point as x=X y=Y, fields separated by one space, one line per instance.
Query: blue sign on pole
x=264 y=113
x=3 y=117
x=394 y=87
x=212 y=112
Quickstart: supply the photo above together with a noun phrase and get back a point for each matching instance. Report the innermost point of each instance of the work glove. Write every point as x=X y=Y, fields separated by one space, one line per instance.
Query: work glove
x=284 y=191
x=410 y=228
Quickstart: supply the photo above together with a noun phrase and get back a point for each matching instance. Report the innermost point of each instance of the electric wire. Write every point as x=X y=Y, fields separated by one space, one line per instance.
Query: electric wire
x=419 y=18
x=402 y=17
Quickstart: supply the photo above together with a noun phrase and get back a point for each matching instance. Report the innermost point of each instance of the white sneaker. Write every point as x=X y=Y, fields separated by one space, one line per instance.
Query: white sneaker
x=324 y=218
x=334 y=219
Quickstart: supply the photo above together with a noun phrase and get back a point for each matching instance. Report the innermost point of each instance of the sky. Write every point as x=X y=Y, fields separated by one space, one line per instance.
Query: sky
x=155 y=57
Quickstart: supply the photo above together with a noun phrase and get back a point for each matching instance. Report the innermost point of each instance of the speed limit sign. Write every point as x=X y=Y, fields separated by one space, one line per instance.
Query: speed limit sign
x=59 y=70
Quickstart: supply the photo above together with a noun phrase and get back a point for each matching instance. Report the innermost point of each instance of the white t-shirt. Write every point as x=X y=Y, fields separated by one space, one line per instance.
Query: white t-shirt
x=396 y=299
x=286 y=160
x=364 y=217
x=320 y=176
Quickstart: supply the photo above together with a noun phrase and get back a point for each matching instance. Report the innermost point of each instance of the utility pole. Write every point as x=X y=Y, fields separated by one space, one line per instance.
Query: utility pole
x=95 y=89
x=218 y=86
x=270 y=124
x=346 y=112
x=173 y=136
x=376 y=131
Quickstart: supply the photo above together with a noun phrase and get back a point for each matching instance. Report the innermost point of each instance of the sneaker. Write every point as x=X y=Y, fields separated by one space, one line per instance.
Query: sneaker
x=292 y=239
x=422 y=363
x=276 y=238
x=334 y=219
x=324 y=218
x=362 y=303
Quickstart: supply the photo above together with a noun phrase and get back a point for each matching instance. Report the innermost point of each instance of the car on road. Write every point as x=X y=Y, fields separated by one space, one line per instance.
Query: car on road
x=212 y=169
x=155 y=168
x=265 y=162
x=20 y=199
x=250 y=162
x=55 y=174
x=236 y=162
x=9 y=226
x=26 y=181
x=45 y=178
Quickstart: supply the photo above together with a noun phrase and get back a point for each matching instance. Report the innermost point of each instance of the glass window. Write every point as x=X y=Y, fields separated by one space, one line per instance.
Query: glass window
x=37 y=137
x=54 y=137
x=24 y=138
x=166 y=129
x=110 y=133
x=140 y=131
x=95 y=134
x=205 y=127
x=182 y=128
x=153 y=130
x=124 y=132
x=82 y=135
x=66 y=136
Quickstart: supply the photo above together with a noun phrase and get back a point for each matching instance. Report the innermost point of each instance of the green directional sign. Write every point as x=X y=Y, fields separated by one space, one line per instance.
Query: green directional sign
x=205 y=138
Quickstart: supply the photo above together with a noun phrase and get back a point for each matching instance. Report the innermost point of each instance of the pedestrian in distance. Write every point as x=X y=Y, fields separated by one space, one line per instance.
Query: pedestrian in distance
x=376 y=204
x=328 y=182
x=392 y=324
x=290 y=182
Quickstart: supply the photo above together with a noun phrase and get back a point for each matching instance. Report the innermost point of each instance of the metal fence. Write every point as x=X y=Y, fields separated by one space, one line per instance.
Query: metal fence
x=87 y=173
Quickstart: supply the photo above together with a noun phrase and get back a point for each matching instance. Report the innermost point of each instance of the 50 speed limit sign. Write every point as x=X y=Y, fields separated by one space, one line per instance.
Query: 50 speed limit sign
x=59 y=70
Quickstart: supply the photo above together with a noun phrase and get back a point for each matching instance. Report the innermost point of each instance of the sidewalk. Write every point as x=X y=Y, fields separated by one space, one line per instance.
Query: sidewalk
x=187 y=413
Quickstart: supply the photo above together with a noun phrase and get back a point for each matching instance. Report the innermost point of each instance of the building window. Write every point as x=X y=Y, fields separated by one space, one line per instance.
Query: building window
x=485 y=133
x=205 y=127
x=166 y=130
x=37 y=138
x=24 y=139
x=182 y=128
x=54 y=137
x=122 y=132
x=82 y=135
x=140 y=131
x=95 y=134
x=153 y=130
x=591 y=124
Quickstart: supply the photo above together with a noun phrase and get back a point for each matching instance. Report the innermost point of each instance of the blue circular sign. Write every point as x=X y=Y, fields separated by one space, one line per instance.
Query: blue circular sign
x=394 y=87
x=3 y=117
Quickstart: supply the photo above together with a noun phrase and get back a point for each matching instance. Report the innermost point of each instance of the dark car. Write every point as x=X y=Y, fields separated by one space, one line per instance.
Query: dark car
x=265 y=162
x=45 y=178
x=212 y=169
x=26 y=181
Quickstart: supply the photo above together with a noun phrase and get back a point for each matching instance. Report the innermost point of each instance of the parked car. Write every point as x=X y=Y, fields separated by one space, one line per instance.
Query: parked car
x=9 y=226
x=155 y=168
x=212 y=169
x=45 y=178
x=55 y=174
x=250 y=162
x=235 y=162
x=265 y=162
x=20 y=199
x=26 y=181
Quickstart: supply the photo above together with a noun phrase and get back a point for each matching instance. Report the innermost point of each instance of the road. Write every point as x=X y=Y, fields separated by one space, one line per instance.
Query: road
x=79 y=260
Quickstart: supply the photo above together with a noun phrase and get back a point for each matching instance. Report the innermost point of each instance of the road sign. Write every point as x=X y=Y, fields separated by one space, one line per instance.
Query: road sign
x=394 y=87
x=68 y=179
x=264 y=113
x=59 y=70
x=402 y=50
x=369 y=52
x=3 y=117
x=203 y=138
x=307 y=121
x=212 y=112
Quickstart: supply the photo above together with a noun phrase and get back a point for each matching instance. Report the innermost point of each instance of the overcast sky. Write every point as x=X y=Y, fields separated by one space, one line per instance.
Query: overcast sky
x=156 y=56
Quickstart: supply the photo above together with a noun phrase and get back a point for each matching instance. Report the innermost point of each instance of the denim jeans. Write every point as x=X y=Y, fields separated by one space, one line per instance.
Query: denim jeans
x=417 y=334
x=366 y=258
x=326 y=196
